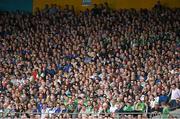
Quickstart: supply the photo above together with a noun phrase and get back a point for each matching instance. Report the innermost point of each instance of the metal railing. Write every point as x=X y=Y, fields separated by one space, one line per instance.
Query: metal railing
x=127 y=115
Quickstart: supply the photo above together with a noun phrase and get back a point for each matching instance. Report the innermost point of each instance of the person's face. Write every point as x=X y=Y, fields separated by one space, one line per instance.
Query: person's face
x=50 y=105
x=58 y=105
x=29 y=106
x=125 y=99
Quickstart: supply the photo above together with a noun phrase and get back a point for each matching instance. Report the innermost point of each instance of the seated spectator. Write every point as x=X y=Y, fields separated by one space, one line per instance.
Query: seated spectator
x=163 y=98
x=113 y=106
x=140 y=106
x=120 y=107
x=166 y=111
x=128 y=107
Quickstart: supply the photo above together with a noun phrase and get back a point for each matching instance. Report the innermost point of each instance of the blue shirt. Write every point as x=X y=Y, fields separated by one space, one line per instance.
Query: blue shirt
x=52 y=72
x=67 y=67
x=157 y=81
x=58 y=110
x=59 y=66
x=39 y=107
x=163 y=98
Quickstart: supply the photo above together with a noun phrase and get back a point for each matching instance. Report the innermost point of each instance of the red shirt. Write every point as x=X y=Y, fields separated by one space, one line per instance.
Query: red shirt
x=34 y=74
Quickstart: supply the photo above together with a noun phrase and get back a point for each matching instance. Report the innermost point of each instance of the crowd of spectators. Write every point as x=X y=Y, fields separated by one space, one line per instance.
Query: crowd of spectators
x=99 y=61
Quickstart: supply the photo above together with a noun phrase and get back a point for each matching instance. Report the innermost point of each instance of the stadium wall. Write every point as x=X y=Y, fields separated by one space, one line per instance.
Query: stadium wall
x=116 y=4
x=13 y=5
x=31 y=5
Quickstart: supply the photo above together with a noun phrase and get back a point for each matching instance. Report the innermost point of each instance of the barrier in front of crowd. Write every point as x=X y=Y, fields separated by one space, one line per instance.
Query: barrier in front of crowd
x=153 y=115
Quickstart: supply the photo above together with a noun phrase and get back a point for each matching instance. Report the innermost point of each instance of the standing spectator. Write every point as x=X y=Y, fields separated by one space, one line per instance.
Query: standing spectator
x=175 y=96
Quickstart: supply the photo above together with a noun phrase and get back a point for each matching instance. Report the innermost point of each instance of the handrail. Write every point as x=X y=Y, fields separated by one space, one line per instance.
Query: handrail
x=147 y=115
x=4 y=114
